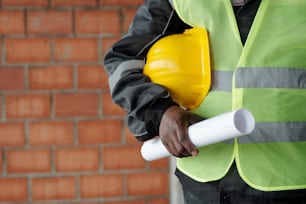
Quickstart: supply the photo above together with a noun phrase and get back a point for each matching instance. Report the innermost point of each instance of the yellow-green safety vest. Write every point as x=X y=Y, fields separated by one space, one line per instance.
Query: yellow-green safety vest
x=267 y=76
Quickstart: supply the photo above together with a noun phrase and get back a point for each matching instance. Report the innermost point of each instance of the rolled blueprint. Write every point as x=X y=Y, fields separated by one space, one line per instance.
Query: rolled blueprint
x=216 y=129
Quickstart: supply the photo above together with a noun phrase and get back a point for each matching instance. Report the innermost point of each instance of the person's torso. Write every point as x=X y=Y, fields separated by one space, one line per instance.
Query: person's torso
x=266 y=75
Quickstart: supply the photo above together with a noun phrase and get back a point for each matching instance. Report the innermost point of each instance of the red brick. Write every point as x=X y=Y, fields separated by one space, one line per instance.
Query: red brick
x=49 y=22
x=128 y=17
x=34 y=3
x=101 y=186
x=76 y=49
x=89 y=202
x=109 y=108
x=147 y=184
x=76 y=105
x=11 y=22
x=52 y=77
x=120 y=2
x=22 y=50
x=99 y=132
x=11 y=134
x=13 y=189
x=53 y=188
x=0 y=162
x=27 y=106
x=1 y=50
x=51 y=133
x=26 y=161
x=97 y=21
x=126 y=202
x=73 y=3
x=11 y=79
x=129 y=137
x=159 y=201
x=160 y=164
x=90 y=77
x=116 y=158
x=81 y=159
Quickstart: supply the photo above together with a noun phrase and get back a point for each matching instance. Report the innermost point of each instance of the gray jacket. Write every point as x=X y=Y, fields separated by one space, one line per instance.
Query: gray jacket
x=144 y=102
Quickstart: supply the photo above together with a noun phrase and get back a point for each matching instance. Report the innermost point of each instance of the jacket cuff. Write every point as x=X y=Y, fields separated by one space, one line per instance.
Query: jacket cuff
x=154 y=114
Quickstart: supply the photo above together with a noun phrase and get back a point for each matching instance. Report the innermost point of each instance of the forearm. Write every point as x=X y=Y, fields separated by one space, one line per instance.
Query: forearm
x=144 y=101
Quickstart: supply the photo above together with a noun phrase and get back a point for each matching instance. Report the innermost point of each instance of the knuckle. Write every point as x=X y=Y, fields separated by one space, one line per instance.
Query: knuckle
x=183 y=138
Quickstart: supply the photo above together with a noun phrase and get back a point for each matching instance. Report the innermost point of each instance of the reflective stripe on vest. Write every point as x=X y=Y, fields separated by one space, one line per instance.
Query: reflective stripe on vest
x=294 y=78
x=222 y=80
x=270 y=81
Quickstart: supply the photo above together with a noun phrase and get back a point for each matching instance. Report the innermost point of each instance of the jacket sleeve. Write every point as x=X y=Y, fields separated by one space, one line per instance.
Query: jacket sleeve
x=144 y=101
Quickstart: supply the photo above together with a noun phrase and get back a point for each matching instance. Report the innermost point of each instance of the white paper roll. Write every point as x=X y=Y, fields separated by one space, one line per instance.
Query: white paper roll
x=216 y=129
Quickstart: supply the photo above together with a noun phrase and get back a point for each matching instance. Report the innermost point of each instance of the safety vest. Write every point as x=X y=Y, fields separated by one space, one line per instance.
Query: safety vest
x=267 y=76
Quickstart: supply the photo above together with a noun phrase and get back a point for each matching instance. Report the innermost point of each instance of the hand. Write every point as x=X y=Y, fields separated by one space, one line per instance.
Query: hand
x=173 y=131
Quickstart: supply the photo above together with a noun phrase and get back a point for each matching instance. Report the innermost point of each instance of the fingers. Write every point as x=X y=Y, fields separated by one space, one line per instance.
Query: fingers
x=185 y=144
x=174 y=132
x=177 y=150
x=180 y=145
x=183 y=149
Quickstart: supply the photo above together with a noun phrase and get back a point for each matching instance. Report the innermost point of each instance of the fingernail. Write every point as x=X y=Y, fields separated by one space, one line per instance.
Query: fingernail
x=194 y=153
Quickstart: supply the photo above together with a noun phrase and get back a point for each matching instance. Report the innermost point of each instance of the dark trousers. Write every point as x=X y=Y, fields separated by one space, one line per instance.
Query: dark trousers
x=232 y=190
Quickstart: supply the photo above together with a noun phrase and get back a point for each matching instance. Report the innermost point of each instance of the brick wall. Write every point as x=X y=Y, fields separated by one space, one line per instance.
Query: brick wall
x=62 y=139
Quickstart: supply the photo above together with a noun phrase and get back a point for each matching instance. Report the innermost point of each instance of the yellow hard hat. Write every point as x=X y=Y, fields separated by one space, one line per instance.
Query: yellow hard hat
x=181 y=63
